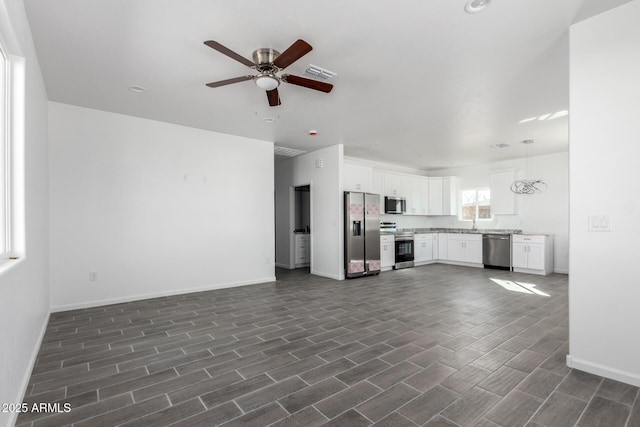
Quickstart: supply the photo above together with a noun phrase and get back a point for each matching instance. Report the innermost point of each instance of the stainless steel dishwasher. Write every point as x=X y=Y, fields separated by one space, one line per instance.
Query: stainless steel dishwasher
x=496 y=251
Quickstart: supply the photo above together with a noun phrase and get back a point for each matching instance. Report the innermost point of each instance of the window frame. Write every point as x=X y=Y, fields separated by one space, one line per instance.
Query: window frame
x=477 y=190
x=6 y=247
x=12 y=168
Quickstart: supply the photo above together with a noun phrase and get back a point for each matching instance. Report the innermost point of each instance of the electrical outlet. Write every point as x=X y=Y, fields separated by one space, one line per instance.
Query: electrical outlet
x=93 y=276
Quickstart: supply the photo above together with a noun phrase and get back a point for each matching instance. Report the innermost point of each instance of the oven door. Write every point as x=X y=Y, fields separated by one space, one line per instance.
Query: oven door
x=404 y=252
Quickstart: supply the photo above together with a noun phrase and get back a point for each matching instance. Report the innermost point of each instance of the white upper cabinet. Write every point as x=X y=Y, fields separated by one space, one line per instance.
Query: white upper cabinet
x=394 y=185
x=425 y=196
x=417 y=194
x=436 y=198
x=443 y=196
x=378 y=186
x=450 y=195
x=358 y=178
x=503 y=200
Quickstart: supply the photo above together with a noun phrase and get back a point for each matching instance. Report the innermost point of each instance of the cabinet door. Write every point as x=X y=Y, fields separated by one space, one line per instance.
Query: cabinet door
x=435 y=196
x=450 y=195
x=423 y=247
x=443 y=246
x=357 y=178
x=535 y=256
x=394 y=185
x=413 y=187
x=456 y=250
x=473 y=251
x=519 y=255
x=378 y=187
x=387 y=252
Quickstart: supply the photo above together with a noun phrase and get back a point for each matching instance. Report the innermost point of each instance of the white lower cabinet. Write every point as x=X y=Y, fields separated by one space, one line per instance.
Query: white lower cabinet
x=464 y=248
x=532 y=254
x=424 y=248
x=303 y=250
x=387 y=252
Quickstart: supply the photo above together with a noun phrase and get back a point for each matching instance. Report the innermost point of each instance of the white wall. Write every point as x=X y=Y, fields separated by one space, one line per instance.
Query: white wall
x=24 y=287
x=545 y=212
x=604 y=152
x=326 y=209
x=154 y=208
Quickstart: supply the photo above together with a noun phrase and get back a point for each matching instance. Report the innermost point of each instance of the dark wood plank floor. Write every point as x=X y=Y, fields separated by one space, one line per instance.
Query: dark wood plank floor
x=436 y=345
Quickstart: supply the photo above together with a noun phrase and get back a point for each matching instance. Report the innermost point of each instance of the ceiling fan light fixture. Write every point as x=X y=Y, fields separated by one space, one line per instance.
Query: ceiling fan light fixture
x=475 y=6
x=267 y=82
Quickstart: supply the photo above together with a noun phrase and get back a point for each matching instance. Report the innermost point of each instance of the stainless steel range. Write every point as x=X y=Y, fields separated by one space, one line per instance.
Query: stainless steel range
x=404 y=249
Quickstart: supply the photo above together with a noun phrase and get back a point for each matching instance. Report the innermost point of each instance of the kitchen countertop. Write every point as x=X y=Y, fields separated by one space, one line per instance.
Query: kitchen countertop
x=463 y=230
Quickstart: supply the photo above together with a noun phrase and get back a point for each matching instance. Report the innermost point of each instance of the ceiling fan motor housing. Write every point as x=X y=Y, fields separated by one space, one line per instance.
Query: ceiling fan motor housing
x=263 y=58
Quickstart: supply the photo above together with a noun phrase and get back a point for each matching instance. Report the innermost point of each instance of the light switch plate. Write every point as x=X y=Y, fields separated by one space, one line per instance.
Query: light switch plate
x=599 y=222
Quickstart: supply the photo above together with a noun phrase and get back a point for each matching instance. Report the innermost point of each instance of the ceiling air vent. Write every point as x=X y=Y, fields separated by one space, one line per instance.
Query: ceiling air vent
x=318 y=73
x=500 y=145
x=286 y=152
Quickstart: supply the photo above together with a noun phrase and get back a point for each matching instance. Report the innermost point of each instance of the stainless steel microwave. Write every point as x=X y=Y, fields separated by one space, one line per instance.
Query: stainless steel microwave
x=395 y=205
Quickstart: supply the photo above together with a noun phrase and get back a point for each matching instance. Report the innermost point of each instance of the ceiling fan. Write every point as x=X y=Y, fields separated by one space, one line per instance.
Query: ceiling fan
x=268 y=62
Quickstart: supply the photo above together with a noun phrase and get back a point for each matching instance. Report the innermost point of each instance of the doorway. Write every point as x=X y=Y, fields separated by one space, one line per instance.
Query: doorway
x=301 y=226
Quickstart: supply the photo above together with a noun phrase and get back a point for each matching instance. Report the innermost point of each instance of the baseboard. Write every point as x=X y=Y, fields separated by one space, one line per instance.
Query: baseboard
x=561 y=271
x=460 y=263
x=22 y=390
x=603 y=371
x=328 y=275
x=287 y=266
x=130 y=298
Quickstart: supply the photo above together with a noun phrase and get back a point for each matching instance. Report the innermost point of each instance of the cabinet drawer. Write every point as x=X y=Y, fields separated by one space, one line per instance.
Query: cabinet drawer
x=423 y=237
x=387 y=239
x=528 y=239
x=467 y=237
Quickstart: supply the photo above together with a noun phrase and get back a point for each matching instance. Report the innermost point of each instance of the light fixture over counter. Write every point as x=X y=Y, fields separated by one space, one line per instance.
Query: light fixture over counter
x=527 y=185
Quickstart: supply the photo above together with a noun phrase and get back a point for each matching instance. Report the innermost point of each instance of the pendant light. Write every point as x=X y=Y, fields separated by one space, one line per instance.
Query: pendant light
x=527 y=185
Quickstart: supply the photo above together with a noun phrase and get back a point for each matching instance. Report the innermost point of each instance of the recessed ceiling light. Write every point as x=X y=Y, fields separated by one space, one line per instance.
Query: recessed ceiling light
x=475 y=6
x=500 y=145
x=137 y=89
x=269 y=119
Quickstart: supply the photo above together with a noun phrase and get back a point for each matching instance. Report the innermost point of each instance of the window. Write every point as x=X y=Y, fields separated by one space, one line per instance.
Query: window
x=12 y=119
x=476 y=204
x=5 y=155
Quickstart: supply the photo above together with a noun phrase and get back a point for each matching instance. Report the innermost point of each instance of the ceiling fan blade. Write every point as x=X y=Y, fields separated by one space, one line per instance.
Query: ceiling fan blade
x=308 y=83
x=231 y=54
x=274 y=97
x=229 y=81
x=294 y=52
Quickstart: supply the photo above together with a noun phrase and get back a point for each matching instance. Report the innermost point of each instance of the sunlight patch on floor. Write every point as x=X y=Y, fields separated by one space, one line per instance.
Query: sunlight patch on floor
x=526 y=288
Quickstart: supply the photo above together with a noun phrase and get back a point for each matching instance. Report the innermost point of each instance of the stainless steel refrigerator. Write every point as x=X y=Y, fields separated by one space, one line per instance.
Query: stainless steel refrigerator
x=361 y=234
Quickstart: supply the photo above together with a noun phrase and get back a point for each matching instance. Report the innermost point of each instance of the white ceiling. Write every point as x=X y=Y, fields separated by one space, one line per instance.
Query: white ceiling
x=420 y=83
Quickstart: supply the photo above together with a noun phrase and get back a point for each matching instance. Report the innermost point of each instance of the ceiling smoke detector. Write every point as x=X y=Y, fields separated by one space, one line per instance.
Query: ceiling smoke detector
x=475 y=6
